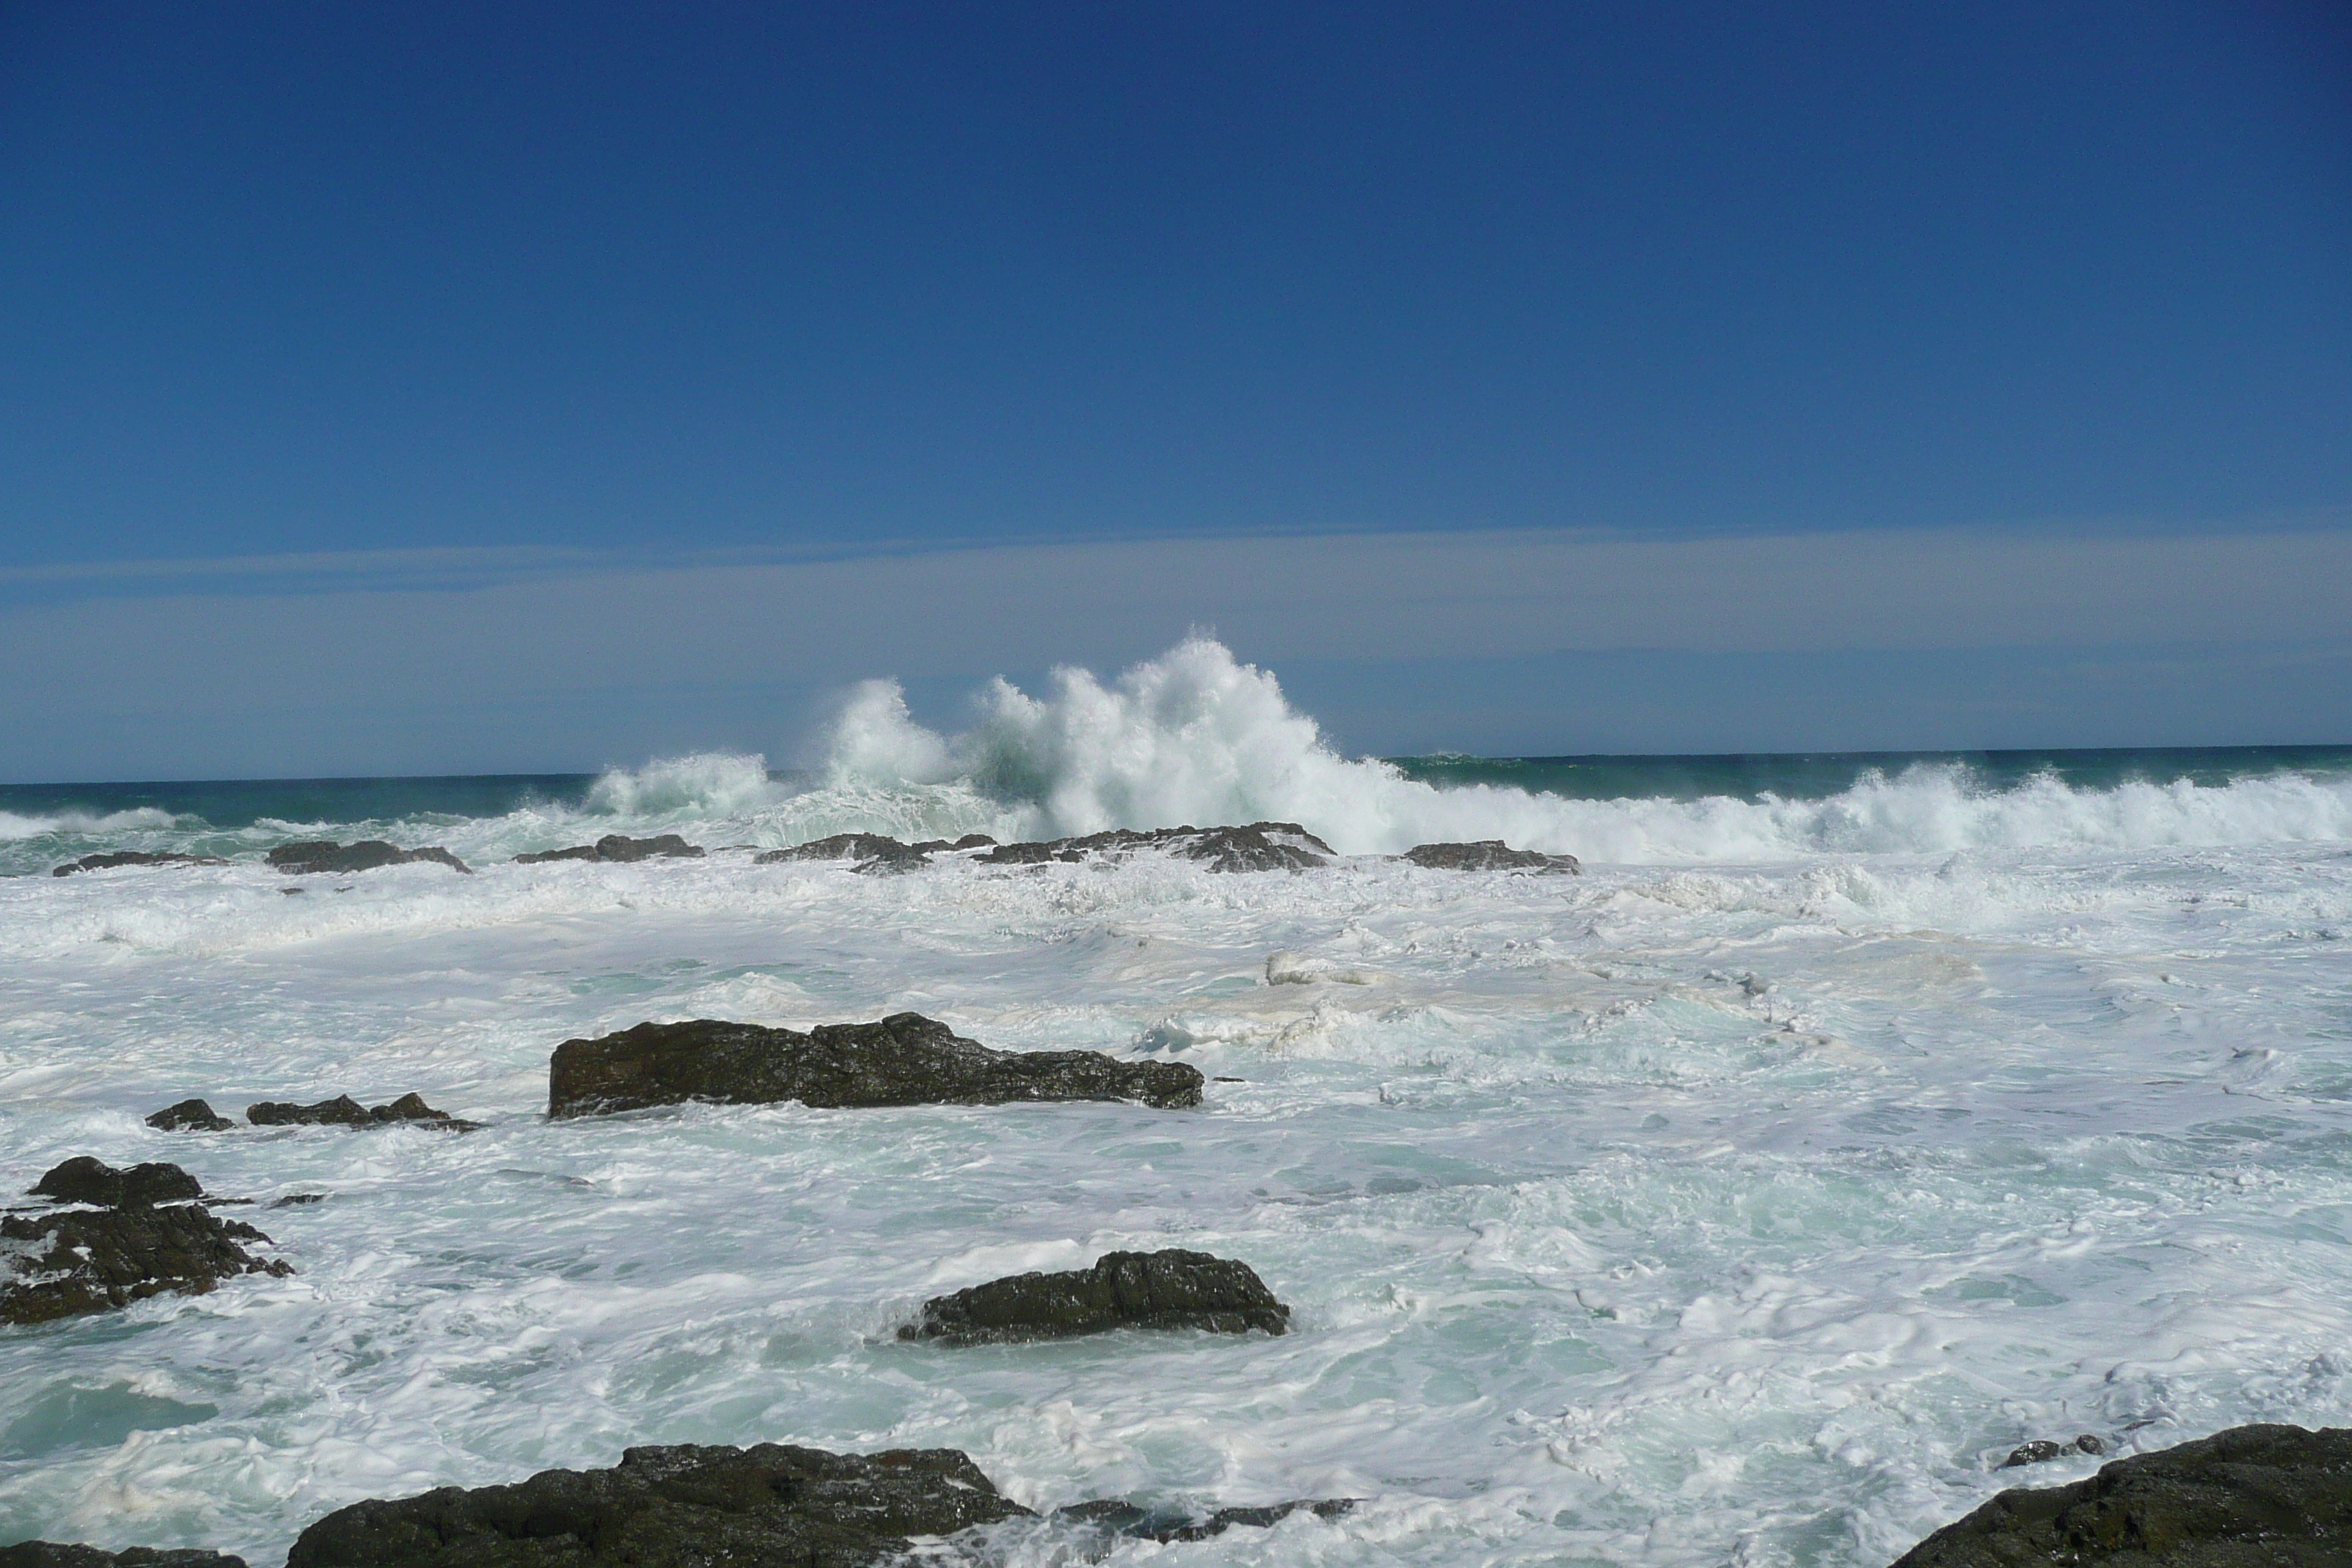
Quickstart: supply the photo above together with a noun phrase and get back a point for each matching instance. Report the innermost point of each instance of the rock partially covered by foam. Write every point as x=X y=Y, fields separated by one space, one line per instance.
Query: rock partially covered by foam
x=2253 y=1497
x=53 y=1555
x=108 y=862
x=189 y=1116
x=618 y=848
x=1490 y=855
x=152 y=1236
x=1120 y=1517
x=1259 y=846
x=1168 y=1289
x=324 y=856
x=683 y=1507
x=2041 y=1450
x=344 y=1111
x=876 y=854
x=904 y=1059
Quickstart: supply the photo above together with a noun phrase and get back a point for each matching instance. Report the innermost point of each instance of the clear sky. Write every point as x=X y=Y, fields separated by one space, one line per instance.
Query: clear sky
x=498 y=316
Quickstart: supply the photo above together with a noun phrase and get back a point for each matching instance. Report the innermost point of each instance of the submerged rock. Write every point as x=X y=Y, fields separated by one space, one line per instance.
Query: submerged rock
x=108 y=862
x=839 y=847
x=683 y=1507
x=2041 y=1450
x=2253 y=1497
x=52 y=1554
x=1260 y=846
x=1167 y=1290
x=344 y=1111
x=1121 y=1518
x=151 y=1237
x=189 y=1116
x=904 y=1059
x=619 y=849
x=324 y=856
x=1490 y=855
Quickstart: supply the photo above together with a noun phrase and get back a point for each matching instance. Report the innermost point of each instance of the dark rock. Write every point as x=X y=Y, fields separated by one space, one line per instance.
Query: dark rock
x=297 y=1200
x=1490 y=855
x=324 y=856
x=132 y=858
x=2042 y=1449
x=619 y=849
x=839 y=846
x=683 y=1507
x=904 y=1059
x=1167 y=1290
x=1260 y=846
x=76 y=1260
x=968 y=841
x=344 y=1111
x=189 y=1116
x=1122 y=1518
x=86 y=1180
x=51 y=1554
x=2253 y=1497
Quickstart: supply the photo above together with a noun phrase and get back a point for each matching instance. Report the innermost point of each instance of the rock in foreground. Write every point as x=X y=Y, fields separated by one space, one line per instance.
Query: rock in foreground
x=131 y=857
x=1121 y=1518
x=344 y=1111
x=1260 y=846
x=153 y=1237
x=1490 y=855
x=2253 y=1497
x=1167 y=1290
x=324 y=856
x=617 y=849
x=189 y=1116
x=904 y=1059
x=51 y=1554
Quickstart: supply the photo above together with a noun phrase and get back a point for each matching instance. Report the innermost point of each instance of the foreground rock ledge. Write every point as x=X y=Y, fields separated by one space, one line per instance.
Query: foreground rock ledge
x=693 y=1507
x=51 y=1554
x=2253 y=1497
x=152 y=1235
x=904 y=1059
x=1167 y=1290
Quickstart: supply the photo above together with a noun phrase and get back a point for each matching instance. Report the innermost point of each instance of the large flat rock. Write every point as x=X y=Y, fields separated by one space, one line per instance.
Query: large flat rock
x=904 y=1059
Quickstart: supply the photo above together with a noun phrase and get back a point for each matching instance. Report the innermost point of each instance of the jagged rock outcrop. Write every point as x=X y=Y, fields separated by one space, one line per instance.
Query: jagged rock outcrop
x=344 y=1111
x=189 y=1116
x=107 y=862
x=904 y=1059
x=2041 y=1450
x=2253 y=1497
x=1490 y=855
x=702 y=1507
x=324 y=856
x=54 y=1555
x=877 y=854
x=1259 y=846
x=153 y=1235
x=619 y=849
x=1167 y=1290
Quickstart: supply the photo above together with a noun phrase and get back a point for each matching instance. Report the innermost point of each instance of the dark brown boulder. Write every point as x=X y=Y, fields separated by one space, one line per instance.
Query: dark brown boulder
x=324 y=856
x=1490 y=855
x=189 y=1116
x=1167 y=1290
x=904 y=1059
x=151 y=1238
x=344 y=1111
x=52 y=1554
x=619 y=849
x=108 y=862
x=2253 y=1497
x=1259 y=846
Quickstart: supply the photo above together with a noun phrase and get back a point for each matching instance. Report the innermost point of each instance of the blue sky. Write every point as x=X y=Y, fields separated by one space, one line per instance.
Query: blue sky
x=457 y=324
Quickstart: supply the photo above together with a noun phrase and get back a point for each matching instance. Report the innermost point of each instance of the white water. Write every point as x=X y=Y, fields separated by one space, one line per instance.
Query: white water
x=1741 y=1201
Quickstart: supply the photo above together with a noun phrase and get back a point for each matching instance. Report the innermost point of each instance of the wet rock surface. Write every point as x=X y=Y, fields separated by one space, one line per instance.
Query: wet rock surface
x=151 y=1238
x=2041 y=1450
x=683 y=1507
x=2253 y=1497
x=189 y=1116
x=1168 y=1289
x=1259 y=846
x=618 y=848
x=344 y=1111
x=133 y=858
x=1115 y=1517
x=52 y=1554
x=324 y=856
x=1490 y=855
x=904 y=1059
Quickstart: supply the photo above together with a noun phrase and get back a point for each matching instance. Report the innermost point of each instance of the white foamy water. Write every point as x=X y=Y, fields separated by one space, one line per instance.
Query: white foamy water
x=1743 y=1200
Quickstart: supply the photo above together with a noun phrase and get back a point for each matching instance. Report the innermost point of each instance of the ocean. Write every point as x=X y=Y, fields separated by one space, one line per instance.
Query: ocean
x=1847 y=1122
